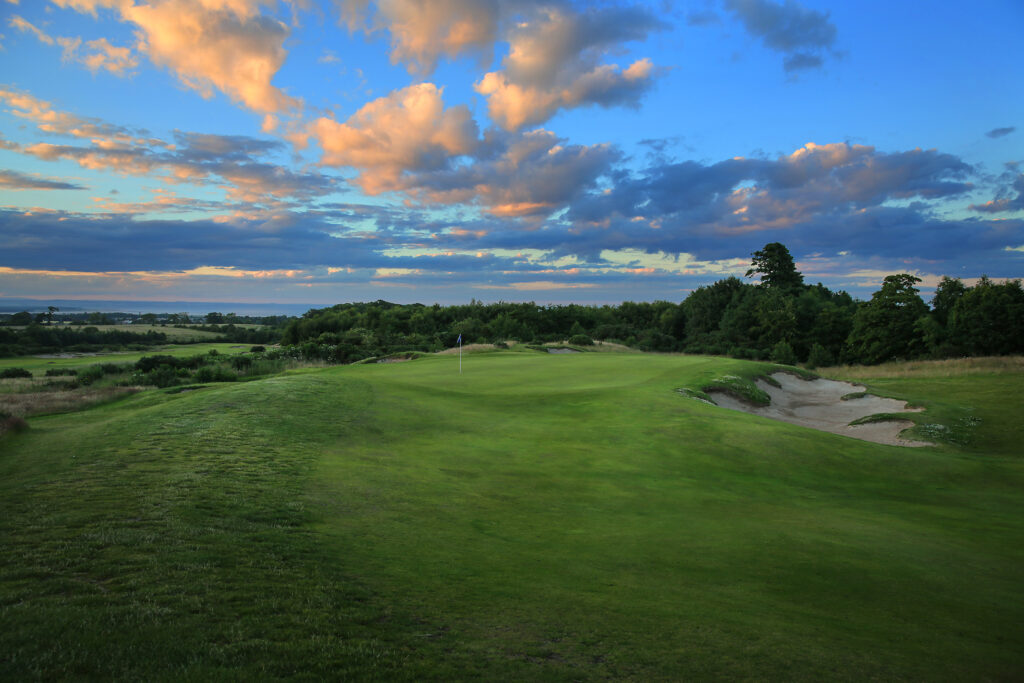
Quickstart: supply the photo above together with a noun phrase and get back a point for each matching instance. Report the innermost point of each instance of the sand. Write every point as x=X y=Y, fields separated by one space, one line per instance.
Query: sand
x=818 y=404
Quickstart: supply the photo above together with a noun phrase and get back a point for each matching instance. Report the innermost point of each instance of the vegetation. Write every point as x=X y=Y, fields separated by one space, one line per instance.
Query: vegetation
x=781 y=319
x=41 y=336
x=539 y=517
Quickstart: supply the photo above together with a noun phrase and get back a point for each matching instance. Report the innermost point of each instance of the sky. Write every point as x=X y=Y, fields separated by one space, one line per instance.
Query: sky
x=296 y=151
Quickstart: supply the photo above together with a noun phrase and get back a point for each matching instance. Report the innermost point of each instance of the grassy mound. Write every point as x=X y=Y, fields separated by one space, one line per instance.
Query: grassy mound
x=560 y=517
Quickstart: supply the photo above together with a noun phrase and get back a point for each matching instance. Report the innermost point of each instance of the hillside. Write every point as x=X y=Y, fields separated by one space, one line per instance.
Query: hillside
x=561 y=517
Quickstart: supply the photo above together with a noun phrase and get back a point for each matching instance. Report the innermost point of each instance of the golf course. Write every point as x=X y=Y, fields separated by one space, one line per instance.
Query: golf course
x=576 y=516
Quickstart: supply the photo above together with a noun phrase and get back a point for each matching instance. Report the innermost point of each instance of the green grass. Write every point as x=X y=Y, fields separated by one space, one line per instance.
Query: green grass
x=552 y=517
x=39 y=365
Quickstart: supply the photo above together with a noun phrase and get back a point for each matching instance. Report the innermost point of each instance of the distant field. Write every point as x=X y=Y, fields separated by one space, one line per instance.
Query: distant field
x=38 y=365
x=538 y=517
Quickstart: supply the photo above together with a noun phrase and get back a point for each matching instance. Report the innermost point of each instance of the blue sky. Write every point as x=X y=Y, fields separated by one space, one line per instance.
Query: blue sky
x=319 y=152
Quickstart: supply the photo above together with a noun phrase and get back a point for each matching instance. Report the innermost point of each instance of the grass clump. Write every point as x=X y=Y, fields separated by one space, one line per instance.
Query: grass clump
x=741 y=387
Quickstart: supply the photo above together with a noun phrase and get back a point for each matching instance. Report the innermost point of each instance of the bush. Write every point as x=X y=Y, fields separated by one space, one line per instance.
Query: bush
x=257 y=349
x=61 y=372
x=782 y=353
x=241 y=362
x=90 y=375
x=819 y=357
x=15 y=373
x=581 y=340
x=214 y=373
x=12 y=423
x=162 y=376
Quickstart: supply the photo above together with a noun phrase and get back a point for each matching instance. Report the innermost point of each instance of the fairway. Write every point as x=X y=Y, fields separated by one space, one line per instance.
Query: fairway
x=552 y=517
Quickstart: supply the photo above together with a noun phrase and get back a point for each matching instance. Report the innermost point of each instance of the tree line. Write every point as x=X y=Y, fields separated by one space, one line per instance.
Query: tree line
x=780 y=318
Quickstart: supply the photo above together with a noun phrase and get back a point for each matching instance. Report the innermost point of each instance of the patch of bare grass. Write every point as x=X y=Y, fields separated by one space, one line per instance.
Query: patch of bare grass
x=950 y=367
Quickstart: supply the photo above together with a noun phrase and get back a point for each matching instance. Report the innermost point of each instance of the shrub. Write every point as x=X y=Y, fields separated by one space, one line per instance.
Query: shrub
x=90 y=375
x=12 y=423
x=241 y=362
x=14 y=373
x=581 y=340
x=162 y=376
x=214 y=373
x=61 y=372
x=257 y=349
x=148 y=363
x=819 y=357
x=782 y=353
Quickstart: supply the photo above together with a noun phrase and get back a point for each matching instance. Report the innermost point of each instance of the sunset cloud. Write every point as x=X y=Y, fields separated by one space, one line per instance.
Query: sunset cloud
x=521 y=175
x=210 y=45
x=422 y=32
x=404 y=132
x=13 y=180
x=554 y=62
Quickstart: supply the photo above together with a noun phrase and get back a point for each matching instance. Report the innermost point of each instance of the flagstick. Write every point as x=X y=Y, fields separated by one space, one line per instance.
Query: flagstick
x=460 y=354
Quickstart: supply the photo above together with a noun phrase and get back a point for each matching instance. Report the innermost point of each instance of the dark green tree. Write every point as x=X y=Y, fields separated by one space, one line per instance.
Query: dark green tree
x=886 y=328
x=776 y=266
x=989 y=319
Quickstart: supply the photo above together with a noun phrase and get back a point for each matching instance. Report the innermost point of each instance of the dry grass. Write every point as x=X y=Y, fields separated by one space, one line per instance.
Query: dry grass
x=951 y=367
x=468 y=348
x=29 y=404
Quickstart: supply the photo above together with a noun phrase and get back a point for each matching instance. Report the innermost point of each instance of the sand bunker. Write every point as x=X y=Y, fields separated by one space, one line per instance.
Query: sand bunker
x=818 y=404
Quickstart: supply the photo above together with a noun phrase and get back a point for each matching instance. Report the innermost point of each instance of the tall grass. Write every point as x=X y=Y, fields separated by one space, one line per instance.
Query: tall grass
x=935 y=369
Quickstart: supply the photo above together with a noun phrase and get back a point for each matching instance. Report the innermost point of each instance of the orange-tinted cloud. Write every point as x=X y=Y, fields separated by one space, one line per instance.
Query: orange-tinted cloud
x=224 y=45
x=554 y=63
x=409 y=130
x=422 y=31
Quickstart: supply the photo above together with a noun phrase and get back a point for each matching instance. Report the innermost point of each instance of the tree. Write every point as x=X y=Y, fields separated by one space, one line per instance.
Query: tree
x=776 y=266
x=886 y=327
x=949 y=291
x=50 y=310
x=989 y=319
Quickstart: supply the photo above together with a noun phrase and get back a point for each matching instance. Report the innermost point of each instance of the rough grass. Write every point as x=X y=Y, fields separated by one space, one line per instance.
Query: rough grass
x=951 y=367
x=539 y=517
x=30 y=404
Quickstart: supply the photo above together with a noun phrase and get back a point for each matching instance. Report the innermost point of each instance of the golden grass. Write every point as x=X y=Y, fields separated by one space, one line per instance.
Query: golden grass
x=30 y=404
x=950 y=367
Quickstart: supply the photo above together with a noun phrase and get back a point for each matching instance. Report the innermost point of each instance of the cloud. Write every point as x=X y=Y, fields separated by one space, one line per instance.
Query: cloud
x=530 y=174
x=1000 y=132
x=1008 y=199
x=554 y=62
x=801 y=34
x=820 y=195
x=404 y=132
x=50 y=120
x=25 y=27
x=117 y=60
x=702 y=18
x=232 y=162
x=217 y=45
x=423 y=32
x=13 y=180
x=224 y=45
